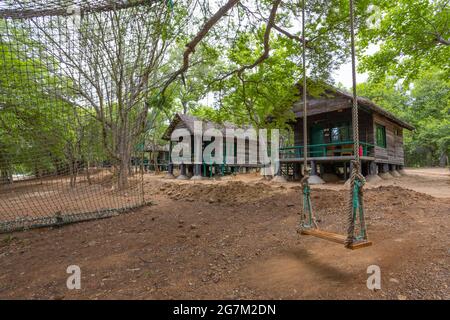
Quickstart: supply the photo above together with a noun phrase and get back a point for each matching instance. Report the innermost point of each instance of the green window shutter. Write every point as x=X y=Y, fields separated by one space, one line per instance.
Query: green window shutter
x=381 y=136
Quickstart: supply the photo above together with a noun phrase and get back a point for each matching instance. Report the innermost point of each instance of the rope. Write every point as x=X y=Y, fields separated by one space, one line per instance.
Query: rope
x=355 y=97
x=305 y=101
x=307 y=212
x=308 y=218
x=356 y=176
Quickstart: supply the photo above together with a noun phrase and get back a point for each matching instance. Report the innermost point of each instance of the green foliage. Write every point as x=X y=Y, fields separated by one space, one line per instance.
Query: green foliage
x=41 y=129
x=412 y=35
x=38 y=131
x=250 y=97
x=430 y=113
x=426 y=106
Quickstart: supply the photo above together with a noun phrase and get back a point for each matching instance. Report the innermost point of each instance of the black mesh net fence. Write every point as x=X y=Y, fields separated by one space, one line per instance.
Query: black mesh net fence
x=76 y=81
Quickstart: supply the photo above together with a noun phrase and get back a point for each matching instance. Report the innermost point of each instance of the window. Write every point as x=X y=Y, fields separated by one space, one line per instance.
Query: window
x=381 y=136
x=341 y=132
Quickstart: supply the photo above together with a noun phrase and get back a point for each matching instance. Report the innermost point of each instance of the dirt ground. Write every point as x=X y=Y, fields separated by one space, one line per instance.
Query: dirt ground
x=236 y=239
x=40 y=198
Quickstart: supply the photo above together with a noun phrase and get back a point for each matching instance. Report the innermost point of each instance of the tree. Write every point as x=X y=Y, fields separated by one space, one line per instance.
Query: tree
x=268 y=90
x=110 y=65
x=426 y=106
x=430 y=113
x=118 y=62
x=31 y=122
x=260 y=57
x=412 y=35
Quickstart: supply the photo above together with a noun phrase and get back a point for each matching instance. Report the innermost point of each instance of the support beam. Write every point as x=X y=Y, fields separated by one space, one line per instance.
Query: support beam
x=197 y=172
x=314 y=178
x=373 y=176
x=279 y=178
x=297 y=171
x=385 y=172
x=169 y=174
x=345 y=171
x=182 y=175
x=394 y=171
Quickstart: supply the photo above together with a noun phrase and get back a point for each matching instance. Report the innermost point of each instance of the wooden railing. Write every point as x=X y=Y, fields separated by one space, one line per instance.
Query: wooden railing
x=334 y=149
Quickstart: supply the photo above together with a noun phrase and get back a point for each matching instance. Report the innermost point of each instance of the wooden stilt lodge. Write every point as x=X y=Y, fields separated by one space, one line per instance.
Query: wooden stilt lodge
x=330 y=146
x=158 y=156
x=206 y=167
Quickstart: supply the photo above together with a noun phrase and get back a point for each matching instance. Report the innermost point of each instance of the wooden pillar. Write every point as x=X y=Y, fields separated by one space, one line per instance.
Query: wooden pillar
x=321 y=169
x=170 y=167
x=313 y=168
x=373 y=168
x=182 y=175
x=197 y=171
x=297 y=169
x=345 y=171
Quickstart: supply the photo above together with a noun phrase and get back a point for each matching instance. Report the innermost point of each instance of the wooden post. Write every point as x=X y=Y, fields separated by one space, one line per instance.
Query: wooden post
x=279 y=178
x=373 y=168
x=297 y=171
x=182 y=175
x=197 y=168
x=169 y=174
x=313 y=168
x=313 y=177
x=345 y=171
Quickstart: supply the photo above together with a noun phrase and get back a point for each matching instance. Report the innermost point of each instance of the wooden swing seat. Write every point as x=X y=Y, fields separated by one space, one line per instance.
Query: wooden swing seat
x=335 y=237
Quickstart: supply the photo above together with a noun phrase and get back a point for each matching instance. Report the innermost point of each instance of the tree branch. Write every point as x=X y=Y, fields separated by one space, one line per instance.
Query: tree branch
x=190 y=47
x=289 y=35
x=265 y=54
x=441 y=40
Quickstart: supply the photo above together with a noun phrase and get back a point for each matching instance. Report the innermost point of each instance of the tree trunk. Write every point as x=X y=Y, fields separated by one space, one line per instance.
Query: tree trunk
x=73 y=172
x=443 y=160
x=6 y=177
x=88 y=173
x=124 y=160
x=155 y=160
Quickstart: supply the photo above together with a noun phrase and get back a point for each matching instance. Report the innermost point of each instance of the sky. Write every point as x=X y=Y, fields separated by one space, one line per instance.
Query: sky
x=344 y=75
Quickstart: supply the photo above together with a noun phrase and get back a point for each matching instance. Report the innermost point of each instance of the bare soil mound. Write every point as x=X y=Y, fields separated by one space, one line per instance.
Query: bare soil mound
x=227 y=193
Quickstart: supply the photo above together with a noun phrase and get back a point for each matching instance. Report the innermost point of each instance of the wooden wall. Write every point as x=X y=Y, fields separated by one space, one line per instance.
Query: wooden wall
x=393 y=153
x=366 y=132
x=244 y=154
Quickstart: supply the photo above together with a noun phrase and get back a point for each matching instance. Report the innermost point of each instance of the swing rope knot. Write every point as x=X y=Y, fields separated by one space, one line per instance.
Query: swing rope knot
x=308 y=219
x=355 y=205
